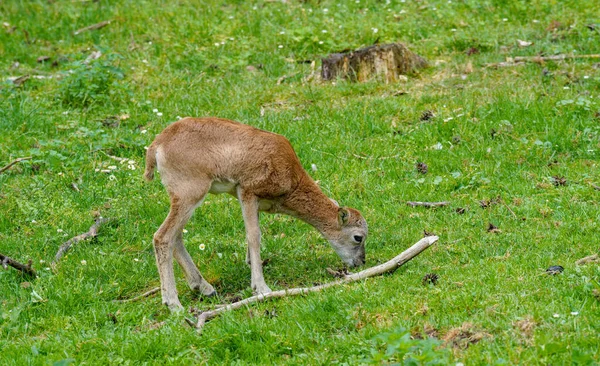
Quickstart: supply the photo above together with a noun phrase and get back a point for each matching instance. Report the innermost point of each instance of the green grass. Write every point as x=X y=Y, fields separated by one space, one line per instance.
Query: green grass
x=504 y=132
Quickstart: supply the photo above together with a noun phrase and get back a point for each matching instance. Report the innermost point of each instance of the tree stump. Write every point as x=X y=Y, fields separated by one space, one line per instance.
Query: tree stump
x=387 y=62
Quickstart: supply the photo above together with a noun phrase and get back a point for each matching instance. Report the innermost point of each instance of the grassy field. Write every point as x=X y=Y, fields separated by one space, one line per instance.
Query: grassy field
x=517 y=147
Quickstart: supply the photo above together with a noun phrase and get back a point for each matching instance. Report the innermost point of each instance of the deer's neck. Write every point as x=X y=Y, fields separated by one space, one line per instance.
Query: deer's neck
x=308 y=203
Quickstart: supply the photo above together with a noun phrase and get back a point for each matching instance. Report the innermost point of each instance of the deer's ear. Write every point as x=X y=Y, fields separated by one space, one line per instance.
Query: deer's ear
x=343 y=216
x=334 y=202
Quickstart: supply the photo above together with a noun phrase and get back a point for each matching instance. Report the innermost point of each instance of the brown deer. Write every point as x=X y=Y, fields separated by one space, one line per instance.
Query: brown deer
x=196 y=156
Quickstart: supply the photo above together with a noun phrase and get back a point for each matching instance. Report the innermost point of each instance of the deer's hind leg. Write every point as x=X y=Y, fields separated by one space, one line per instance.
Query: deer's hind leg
x=192 y=274
x=168 y=242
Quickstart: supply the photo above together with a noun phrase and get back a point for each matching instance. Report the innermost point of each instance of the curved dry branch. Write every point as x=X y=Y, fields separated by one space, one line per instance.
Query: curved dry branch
x=91 y=233
x=428 y=204
x=139 y=297
x=18 y=160
x=388 y=267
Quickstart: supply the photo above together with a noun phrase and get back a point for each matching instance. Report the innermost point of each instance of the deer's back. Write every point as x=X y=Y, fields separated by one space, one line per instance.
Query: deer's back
x=225 y=151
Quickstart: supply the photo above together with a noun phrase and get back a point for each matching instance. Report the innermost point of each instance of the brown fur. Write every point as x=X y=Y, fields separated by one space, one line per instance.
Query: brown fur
x=196 y=156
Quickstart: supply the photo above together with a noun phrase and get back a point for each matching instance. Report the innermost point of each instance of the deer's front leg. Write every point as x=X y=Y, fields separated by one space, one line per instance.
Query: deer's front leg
x=249 y=204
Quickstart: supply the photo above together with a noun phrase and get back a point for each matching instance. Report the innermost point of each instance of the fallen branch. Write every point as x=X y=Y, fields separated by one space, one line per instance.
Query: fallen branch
x=389 y=266
x=428 y=204
x=18 y=160
x=25 y=268
x=595 y=258
x=91 y=233
x=92 y=27
x=139 y=297
x=519 y=60
x=540 y=59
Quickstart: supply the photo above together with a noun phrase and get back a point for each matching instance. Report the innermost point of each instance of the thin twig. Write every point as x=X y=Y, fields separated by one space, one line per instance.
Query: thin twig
x=520 y=60
x=25 y=268
x=540 y=59
x=595 y=258
x=91 y=233
x=378 y=158
x=596 y=187
x=428 y=204
x=18 y=160
x=387 y=267
x=285 y=77
x=93 y=27
x=505 y=205
x=139 y=297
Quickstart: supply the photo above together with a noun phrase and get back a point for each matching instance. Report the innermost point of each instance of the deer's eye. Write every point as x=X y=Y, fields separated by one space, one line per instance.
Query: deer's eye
x=358 y=238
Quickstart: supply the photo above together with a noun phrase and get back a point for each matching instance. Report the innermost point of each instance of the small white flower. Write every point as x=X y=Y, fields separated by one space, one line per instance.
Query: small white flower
x=231 y=17
x=323 y=31
x=42 y=261
x=202 y=246
x=159 y=114
x=149 y=42
x=112 y=177
x=143 y=131
x=313 y=167
x=282 y=32
x=59 y=230
x=556 y=315
x=145 y=61
x=586 y=77
x=66 y=112
x=504 y=19
x=220 y=255
x=320 y=42
x=217 y=44
x=47 y=268
x=566 y=88
x=131 y=167
x=255 y=8
x=96 y=170
x=155 y=110
x=83 y=262
x=375 y=30
x=574 y=312
x=231 y=39
x=112 y=167
x=60 y=173
x=325 y=10
x=185 y=231
x=33 y=221
x=136 y=260
x=535 y=21
x=280 y=46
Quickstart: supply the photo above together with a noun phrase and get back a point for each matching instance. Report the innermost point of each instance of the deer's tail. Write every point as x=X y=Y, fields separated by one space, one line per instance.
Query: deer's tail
x=150 y=162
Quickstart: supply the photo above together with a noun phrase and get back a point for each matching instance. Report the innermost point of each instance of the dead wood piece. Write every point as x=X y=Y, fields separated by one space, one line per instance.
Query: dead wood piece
x=388 y=61
x=519 y=60
x=25 y=268
x=595 y=258
x=92 y=27
x=388 y=267
x=17 y=160
x=428 y=204
x=139 y=297
x=91 y=233
x=540 y=59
